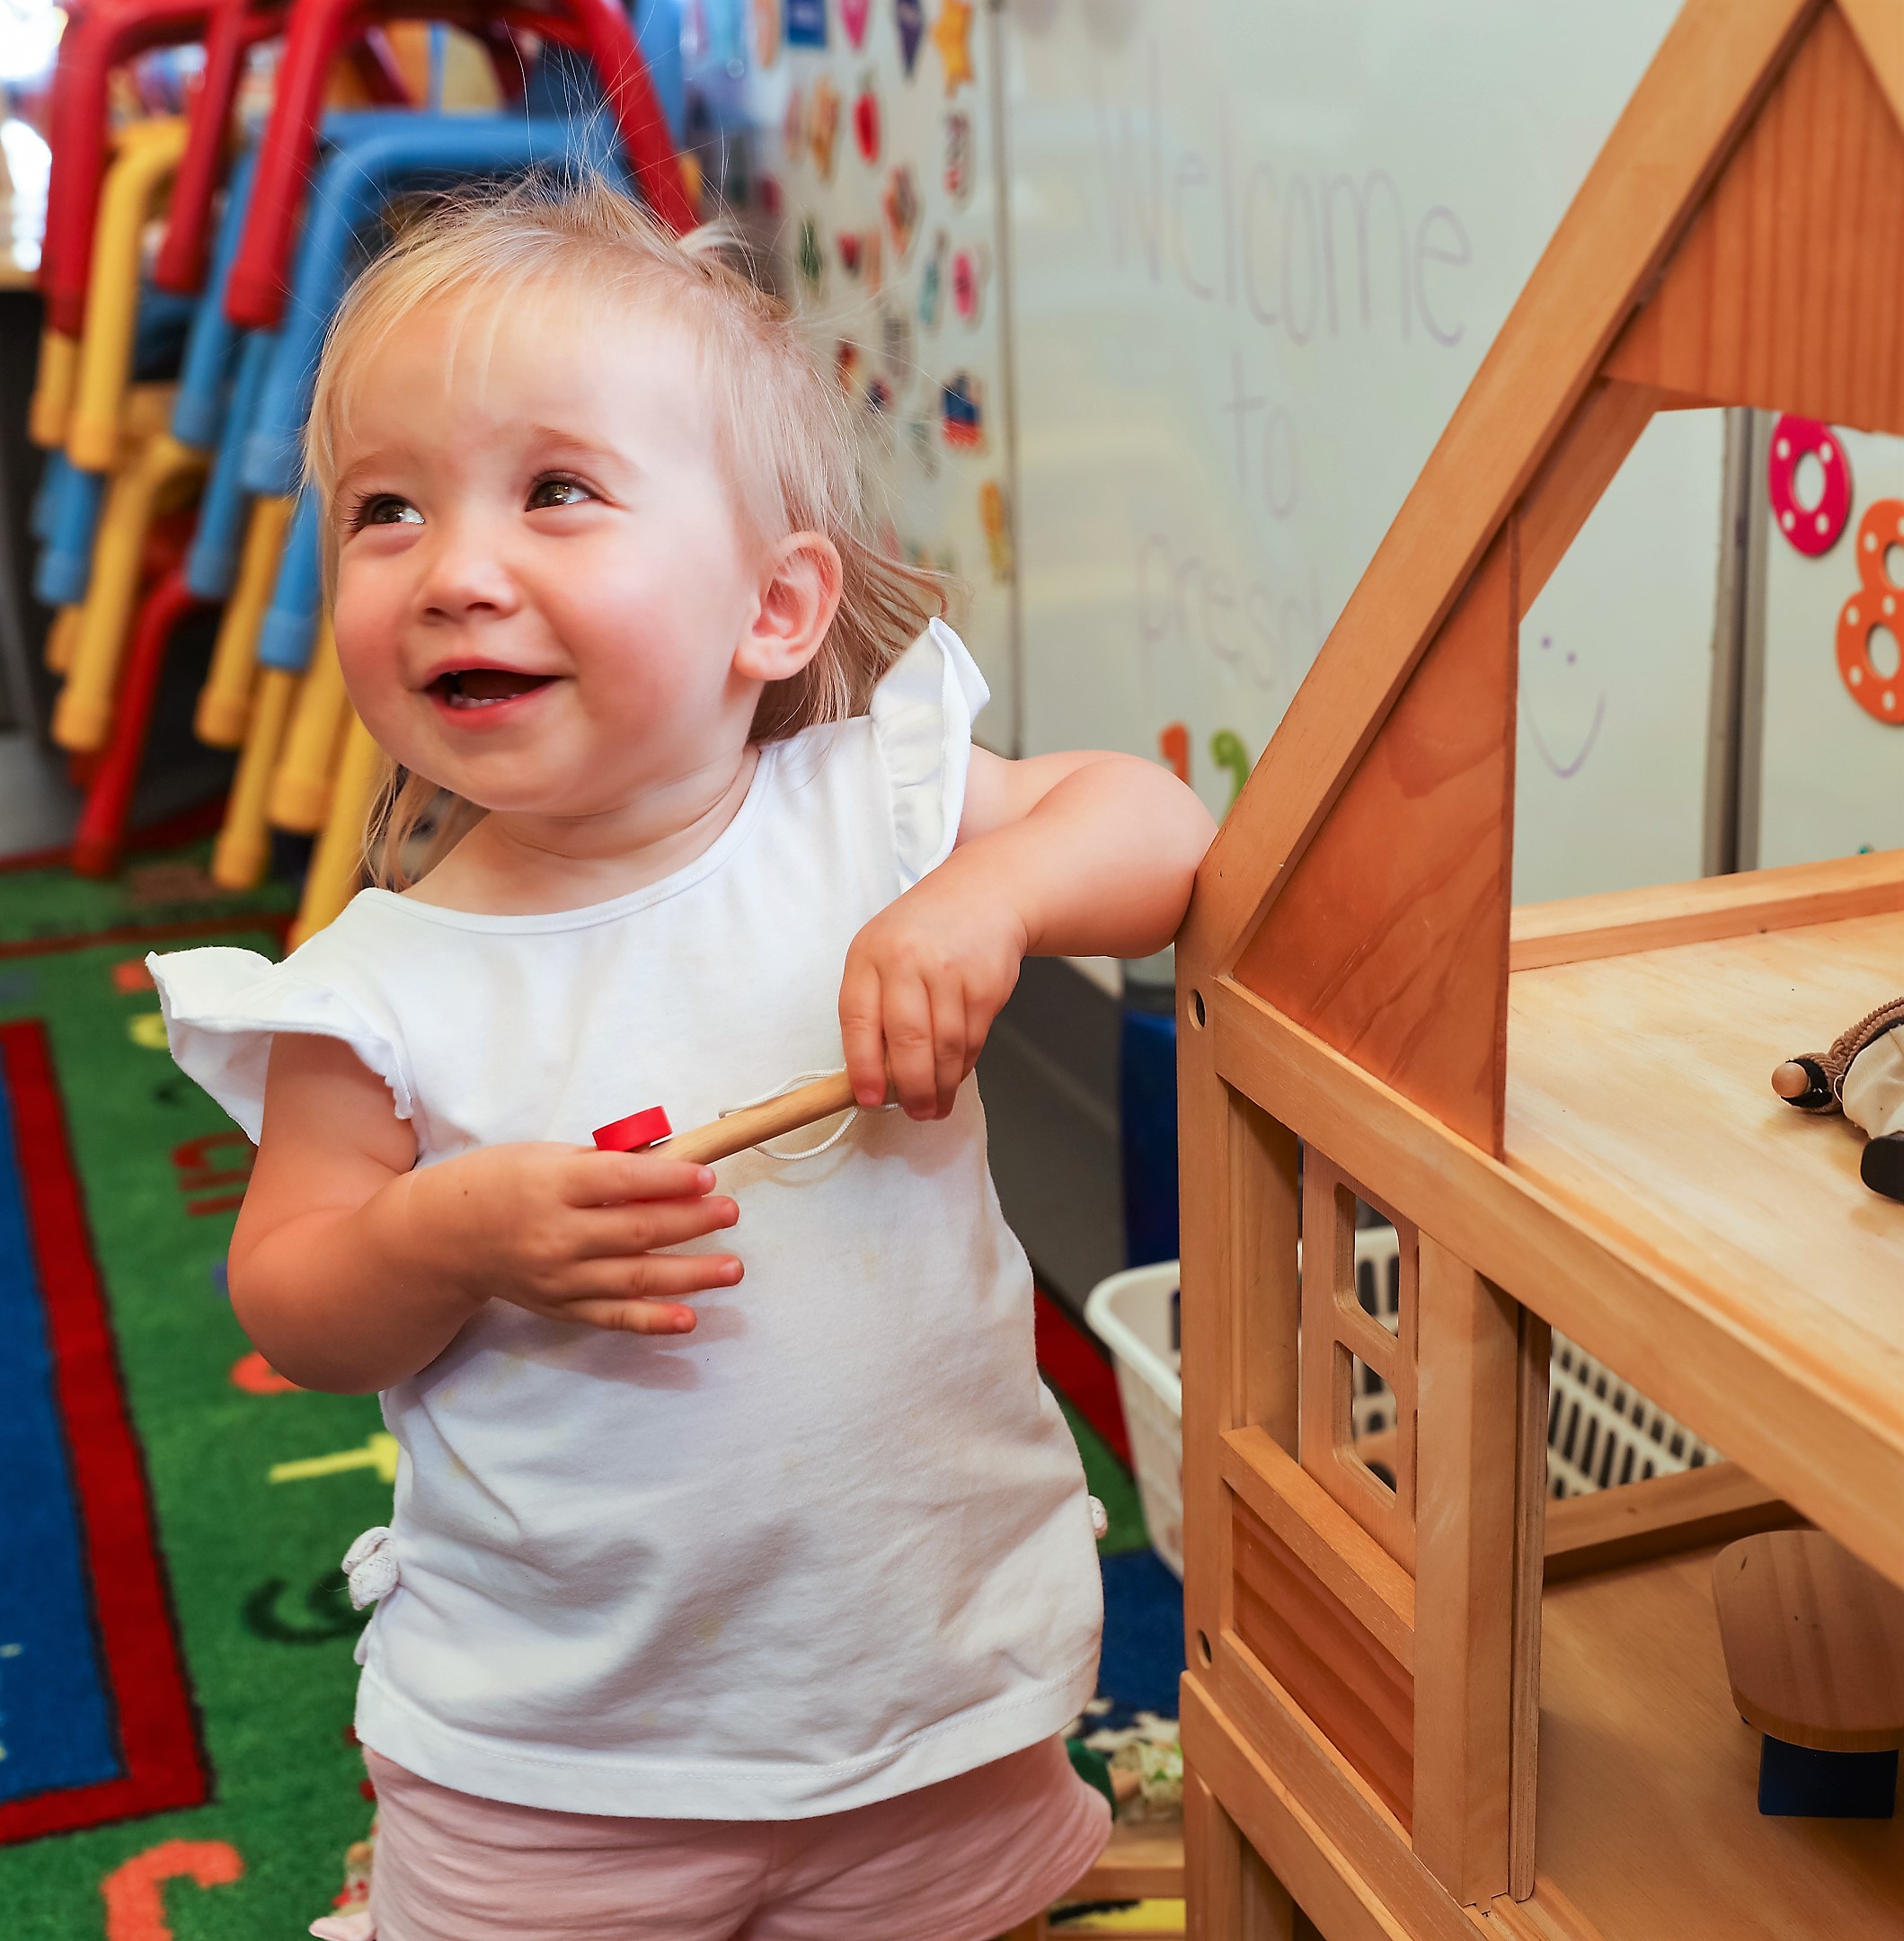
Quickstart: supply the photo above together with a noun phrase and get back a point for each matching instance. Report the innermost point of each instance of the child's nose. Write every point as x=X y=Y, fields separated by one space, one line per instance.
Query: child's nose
x=467 y=574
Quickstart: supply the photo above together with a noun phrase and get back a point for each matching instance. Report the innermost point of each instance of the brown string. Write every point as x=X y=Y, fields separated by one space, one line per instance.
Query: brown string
x=1837 y=1062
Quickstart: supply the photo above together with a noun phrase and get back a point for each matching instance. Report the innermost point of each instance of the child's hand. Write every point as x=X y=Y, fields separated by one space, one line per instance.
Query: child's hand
x=570 y=1233
x=923 y=981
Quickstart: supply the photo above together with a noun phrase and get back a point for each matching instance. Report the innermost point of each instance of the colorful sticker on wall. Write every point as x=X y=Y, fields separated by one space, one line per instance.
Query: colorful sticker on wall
x=846 y=364
x=998 y=529
x=793 y=129
x=1871 y=610
x=1227 y=751
x=806 y=23
x=879 y=397
x=811 y=256
x=896 y=351
x=961 y=412
x=866 y=121
x=853 y=17
x=952 y=34
x=852 y=247
x=901 y=206
x=924 y=447
x=1812 y=529
x=823 y=126
x=932 y=283
x=1174 y=746
x=971 y=271
x=766 y=32
x=958 y=155
x=910 y=15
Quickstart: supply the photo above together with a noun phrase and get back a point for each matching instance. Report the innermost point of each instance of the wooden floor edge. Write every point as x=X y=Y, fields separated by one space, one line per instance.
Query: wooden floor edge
x=1664 y=1515
x=1628 y=921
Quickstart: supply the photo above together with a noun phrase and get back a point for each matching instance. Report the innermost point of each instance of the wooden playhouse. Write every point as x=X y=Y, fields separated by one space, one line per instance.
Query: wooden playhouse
x=1447 y=1705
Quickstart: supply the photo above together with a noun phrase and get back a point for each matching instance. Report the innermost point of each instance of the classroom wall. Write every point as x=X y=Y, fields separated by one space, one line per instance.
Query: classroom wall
x=1258 y=249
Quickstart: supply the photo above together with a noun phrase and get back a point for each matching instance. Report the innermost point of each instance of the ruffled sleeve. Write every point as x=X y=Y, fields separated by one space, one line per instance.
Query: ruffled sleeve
x=224 y=1006
x=923 y=712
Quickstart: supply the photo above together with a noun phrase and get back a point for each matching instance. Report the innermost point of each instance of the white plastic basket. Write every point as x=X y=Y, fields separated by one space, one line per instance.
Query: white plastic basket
x=1601 y=1431
x=1134 y=1314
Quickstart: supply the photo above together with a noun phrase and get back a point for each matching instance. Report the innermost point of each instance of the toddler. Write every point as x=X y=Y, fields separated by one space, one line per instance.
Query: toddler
x=708 y=1608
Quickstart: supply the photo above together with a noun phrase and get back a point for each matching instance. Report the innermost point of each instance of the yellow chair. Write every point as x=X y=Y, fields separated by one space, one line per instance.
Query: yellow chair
x=59 y=639
x=117 y=427
x=300 y=793
x=225 y=699
x=53 y=382
x=162 y=475
x=143 y=165
x=337 y=864
x=244 y=845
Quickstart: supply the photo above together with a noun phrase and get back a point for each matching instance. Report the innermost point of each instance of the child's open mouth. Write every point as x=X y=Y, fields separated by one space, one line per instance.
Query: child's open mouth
x=483 y=686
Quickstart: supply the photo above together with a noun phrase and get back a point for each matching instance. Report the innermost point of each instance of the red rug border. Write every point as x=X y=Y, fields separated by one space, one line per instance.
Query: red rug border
x=1078 y=1367
x=156 y=1723
x=236 y=923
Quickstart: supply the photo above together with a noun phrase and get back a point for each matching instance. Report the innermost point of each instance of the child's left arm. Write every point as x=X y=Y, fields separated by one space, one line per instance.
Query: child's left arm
x=1080 y=854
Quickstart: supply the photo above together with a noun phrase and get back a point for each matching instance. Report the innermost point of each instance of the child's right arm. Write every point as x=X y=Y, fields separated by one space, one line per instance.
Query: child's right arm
x=351 y=1268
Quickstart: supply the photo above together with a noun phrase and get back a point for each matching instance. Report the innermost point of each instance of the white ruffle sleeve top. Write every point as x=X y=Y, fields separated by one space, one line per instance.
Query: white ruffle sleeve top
x=833 y=1546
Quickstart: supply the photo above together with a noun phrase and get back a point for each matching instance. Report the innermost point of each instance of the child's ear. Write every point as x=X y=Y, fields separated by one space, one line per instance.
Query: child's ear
x=800 y=591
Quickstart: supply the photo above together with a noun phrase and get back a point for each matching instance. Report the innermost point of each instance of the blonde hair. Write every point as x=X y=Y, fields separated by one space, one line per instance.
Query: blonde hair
x=789 y=445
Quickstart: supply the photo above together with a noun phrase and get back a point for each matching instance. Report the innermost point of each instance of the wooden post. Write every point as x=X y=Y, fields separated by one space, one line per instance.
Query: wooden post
x=1530 y=1544
x=1231 y=1894
x=1467 y=1485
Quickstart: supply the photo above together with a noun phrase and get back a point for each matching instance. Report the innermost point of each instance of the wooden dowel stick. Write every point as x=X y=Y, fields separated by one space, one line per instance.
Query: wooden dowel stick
x=754 y=1125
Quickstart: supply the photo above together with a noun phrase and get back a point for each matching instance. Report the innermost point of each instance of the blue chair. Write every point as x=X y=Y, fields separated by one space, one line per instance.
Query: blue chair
x=373 y=156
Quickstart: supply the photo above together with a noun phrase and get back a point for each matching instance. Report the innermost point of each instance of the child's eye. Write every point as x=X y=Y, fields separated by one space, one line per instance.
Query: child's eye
x=383 y=509
x=557 y=492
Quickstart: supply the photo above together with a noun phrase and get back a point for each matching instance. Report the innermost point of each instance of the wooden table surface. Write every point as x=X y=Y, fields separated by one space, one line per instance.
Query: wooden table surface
x=1639 y=1092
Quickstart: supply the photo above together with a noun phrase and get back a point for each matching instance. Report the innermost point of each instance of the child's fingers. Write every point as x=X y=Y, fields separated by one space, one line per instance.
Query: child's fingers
x=911 y=1045
x=597 y=1179
x=656 y=1277
x=631 y=1316
x=619 y=1232
x=950 y=1065
x=861 y=1034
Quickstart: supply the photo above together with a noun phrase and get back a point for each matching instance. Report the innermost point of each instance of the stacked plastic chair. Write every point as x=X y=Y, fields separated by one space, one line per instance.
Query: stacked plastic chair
x=162 y=499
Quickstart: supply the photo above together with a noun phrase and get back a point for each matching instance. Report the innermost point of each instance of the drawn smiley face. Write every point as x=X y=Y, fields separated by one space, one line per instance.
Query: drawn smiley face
x=1564 y=709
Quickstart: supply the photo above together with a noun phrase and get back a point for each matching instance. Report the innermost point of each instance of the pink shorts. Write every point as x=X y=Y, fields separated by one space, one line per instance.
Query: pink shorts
x=963 y=1860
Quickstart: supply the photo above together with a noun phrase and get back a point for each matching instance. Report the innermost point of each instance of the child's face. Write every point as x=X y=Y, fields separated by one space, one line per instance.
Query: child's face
x=543 y=586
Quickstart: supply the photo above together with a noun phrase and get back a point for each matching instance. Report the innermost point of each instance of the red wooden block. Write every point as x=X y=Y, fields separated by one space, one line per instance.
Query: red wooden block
x=636 y=1133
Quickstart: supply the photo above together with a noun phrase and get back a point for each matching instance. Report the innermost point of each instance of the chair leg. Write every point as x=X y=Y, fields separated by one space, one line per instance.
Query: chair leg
x=337 y=861
x=102 y=830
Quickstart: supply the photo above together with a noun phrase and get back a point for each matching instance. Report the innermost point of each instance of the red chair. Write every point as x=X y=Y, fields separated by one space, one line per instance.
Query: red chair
x=236 y=27
x=107 y=35
x=596 y=28
x=101 y=834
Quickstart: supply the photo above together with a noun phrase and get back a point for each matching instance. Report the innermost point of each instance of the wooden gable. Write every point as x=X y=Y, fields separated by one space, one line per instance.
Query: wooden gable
x=1736 y=243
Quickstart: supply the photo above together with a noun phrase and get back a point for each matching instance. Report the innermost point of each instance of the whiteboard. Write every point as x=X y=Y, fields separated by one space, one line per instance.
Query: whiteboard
x=1258 y=250
x=1832 y=776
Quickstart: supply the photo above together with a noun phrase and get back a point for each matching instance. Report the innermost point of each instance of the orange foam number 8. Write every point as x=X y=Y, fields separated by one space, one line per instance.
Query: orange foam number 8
x=1874 y=605
x=135 y=1892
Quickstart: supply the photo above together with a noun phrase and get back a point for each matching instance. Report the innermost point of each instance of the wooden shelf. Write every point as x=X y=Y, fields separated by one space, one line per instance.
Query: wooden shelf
x=1638 y=1097
x=1648 y=1821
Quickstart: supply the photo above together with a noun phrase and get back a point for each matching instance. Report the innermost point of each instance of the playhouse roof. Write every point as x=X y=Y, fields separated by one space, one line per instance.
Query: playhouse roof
x=1738 y=241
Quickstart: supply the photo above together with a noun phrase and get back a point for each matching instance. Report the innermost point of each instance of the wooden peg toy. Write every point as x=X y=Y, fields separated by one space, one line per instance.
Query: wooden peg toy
x=752 y=1125
x=1814 y=1651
